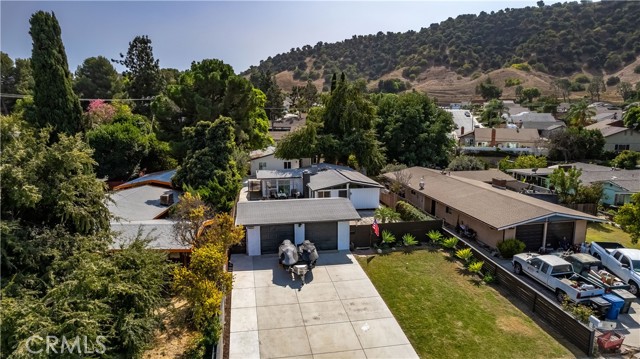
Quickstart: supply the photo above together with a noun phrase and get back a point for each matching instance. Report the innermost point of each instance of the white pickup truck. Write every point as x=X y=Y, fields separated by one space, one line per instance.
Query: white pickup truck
x=623 y=262
x=556 y=274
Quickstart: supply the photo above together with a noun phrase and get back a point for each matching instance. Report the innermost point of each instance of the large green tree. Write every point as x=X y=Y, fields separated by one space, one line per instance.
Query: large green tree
x=96 y=78
x=414 y=130
x=8 y=78
x=55 y=103
x=492 y=112
x=209 y=167
x=265 y=81
x=208 y=90
x=488 y=90
x=566 y=183
x=580 y=114
x=576 y=144
x=143 y=78
x=632 y=118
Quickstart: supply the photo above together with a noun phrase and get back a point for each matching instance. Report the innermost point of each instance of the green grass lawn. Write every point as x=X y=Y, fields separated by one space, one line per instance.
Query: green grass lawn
x=445 y=313
x=602 y=232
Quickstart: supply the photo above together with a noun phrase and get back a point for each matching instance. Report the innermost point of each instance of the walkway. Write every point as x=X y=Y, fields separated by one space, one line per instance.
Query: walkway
x=337 y=314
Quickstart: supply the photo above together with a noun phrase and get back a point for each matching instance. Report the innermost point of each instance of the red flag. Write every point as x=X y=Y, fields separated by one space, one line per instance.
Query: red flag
x=375 y=227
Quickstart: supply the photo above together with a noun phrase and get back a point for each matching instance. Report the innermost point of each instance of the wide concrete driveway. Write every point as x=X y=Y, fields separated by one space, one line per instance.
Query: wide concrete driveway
x=337 y=314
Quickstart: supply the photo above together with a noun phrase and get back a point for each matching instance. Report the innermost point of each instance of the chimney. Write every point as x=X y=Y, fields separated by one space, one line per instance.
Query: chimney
x=461 y=130
x=493 y=138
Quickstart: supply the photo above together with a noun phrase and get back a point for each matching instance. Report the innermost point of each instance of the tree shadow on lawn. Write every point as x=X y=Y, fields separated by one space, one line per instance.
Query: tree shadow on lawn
x=555 y=334
x=601 y=227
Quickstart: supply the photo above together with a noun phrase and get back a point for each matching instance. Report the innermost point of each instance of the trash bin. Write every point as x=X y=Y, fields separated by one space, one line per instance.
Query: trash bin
x=616 y=304
x=600 y=307
x=627 y=297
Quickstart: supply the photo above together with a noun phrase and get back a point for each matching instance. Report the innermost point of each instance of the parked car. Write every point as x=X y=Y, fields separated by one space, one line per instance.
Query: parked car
x=623 y=262
x=556 y=274
x=602 y=249
x=591 y=267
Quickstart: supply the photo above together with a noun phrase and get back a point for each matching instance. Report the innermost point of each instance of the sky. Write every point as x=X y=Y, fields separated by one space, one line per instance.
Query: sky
x=240 y=33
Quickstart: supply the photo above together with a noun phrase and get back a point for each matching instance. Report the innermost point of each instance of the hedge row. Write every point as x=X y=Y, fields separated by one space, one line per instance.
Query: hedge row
x=410 y=213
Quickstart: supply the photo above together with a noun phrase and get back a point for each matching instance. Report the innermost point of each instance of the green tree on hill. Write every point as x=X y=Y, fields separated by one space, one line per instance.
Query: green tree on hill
x=97 y=79
x=487 y=90
x=55 y=103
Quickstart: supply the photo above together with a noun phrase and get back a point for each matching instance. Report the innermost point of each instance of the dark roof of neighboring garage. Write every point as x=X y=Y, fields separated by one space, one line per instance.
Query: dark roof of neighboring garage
x=257 y=213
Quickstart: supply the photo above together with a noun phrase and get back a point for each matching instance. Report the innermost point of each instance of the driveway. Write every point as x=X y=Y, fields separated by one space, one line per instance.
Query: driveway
x=337 y=314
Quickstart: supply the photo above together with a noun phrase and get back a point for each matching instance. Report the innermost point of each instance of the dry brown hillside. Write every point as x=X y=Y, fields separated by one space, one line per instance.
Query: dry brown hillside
x=448 y=86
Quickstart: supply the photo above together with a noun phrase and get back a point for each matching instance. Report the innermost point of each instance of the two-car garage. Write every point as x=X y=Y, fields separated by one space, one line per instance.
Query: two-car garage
x=533 y=235
x=325 y=222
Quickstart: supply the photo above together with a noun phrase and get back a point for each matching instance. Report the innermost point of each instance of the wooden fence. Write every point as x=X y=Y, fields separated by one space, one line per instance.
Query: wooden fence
x=551 y=312
x=361 y=235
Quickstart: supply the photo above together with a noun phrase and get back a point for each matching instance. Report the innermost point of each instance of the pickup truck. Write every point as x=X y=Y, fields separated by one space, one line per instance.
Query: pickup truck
x=603 y=249
x=624 y=263
x=556 y=274
x=591 y=268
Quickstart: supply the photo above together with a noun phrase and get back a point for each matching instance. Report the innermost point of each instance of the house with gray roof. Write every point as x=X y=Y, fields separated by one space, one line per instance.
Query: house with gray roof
x=494 y=213
x=325 y=222
x=139 y=209
x=617 y=137
x=544 y=123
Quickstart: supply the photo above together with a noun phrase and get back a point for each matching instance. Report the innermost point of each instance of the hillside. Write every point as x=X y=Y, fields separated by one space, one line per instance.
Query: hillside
x=560 y=40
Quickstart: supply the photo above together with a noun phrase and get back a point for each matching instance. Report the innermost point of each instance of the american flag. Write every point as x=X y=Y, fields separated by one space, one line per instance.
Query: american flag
x=375 y=227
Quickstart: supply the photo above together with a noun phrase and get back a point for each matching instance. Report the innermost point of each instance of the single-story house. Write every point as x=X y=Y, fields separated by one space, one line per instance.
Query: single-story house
x=325 y=222
x=140 y=206
x=495 y=214
x=265 y=160
x=486 y=176
x=317 y=181
x=501 y=137
x=618 y=184
x=544 y=123
x=617 y=137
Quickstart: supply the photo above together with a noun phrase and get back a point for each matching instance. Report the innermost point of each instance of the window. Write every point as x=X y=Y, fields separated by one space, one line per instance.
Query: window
x=535 y=263
x=625 y=261
x=342 y=193
x=287 y=165
x=620 y=148
x=448 y=210
x=323 y=194
x=544 y=268
x=262 y=165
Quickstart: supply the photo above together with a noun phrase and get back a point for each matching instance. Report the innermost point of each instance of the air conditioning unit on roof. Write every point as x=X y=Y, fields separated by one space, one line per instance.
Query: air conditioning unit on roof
x=166 y=199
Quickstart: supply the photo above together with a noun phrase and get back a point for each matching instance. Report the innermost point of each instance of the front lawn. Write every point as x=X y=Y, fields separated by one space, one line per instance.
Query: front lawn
x=446 y=314
x=603 y=232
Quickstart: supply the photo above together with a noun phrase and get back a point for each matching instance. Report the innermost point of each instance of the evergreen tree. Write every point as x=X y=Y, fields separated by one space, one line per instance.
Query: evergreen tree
x=55 y=103
x=96 y=79
x=144 y=79
x=265 y=81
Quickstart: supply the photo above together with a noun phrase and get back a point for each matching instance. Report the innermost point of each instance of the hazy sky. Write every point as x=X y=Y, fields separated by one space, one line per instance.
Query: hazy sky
x=240 y=33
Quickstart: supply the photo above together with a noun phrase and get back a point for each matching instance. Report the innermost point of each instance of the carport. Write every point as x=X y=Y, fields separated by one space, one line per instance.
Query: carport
x=325 y=222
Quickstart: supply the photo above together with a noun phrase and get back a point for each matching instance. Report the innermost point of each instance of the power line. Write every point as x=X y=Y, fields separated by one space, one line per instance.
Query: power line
x=12 y=95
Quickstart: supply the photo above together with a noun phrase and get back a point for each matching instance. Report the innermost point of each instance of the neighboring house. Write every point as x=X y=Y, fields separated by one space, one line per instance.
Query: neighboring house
x=544 y=123
x=317 y=181
x=325 y=222
x=140 y=207
x=510 y=138
x=618 y=184
x=464 y=121
x=514 y=108
x=495 y=214
x=617 y=137
x=266 y=160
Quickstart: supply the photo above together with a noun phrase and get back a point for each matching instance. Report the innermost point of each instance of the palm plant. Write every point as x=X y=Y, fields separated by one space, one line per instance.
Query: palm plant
x=435 y=236
x=579 y=114
x=475 y=267
x=464 y=254
x=450 y=243
x=493 y=111
x=386 y=215
x=409 y=240
x=388 y=237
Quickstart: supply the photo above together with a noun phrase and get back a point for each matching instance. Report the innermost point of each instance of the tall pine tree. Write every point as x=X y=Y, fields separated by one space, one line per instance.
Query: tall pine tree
x=55 y=103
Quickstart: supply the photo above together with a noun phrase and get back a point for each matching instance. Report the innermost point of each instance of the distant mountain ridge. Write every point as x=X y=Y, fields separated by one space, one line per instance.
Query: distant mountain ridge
x=557 y=40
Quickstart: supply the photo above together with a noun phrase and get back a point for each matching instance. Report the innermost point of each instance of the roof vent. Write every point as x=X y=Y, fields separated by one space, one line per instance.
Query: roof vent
x=421 y=184
x=166 y=199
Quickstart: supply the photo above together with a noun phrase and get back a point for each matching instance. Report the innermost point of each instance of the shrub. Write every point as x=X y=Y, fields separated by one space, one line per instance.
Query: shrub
x=512 y=82
x=581 y=312
x=409 y=212
x=450 y=242
x=386 y=214
x=613 y=80
x=488 y=278
x=522 y=67
x=388 y=237
x=435 y=236
x=581 y=79
x=409 y=240
x=464 y=254
x=475 y=267
x=508 y=248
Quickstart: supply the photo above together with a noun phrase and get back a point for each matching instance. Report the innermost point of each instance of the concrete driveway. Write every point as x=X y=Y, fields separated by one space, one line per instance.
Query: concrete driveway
x=337 y=314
